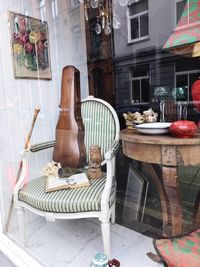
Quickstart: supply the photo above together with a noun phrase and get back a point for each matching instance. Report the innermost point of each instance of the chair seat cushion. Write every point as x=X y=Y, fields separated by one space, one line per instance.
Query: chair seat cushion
x=68 y=200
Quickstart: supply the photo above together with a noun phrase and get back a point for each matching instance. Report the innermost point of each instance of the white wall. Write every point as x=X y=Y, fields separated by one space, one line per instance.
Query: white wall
x=19 y=97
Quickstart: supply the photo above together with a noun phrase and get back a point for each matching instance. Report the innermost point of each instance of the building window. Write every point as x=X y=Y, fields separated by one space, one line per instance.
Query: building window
x=54 y=8
x=42 y=9
x=140 y=84
x=138 y=21
x=76 y=37
x=74 y=3
x=187 y=12
x=184 y=80
x=98 y=78
x=95 y=40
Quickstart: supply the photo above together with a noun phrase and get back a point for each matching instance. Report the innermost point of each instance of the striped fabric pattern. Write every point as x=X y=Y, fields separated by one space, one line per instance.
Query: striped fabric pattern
x=99 y=126
x=68 y=200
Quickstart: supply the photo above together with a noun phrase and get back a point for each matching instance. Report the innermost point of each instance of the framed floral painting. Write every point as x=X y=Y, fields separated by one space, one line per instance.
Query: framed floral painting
x=30 y=47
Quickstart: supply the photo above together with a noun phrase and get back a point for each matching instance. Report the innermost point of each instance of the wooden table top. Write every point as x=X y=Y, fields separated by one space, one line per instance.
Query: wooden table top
x=162 y=139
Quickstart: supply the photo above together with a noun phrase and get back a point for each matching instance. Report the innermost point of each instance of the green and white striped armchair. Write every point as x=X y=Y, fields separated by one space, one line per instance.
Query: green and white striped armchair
x=98 y=200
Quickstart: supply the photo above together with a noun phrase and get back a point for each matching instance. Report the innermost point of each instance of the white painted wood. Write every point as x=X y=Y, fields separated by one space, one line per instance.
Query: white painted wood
x=4 y=261
x=16 y=253
x=105 y=228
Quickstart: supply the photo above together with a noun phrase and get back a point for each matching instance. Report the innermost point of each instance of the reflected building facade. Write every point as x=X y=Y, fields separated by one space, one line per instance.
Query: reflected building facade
x=141 y=63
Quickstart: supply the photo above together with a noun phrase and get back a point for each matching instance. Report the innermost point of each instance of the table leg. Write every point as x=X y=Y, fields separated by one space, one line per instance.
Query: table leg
x=170 y=181
x=154 y=171
x=196 y=213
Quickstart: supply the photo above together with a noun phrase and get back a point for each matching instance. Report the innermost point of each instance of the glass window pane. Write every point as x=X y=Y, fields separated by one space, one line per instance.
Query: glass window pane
x=140 y=71
x=192 y=78
x=136 y=91
x=144 y=25
x=181 y=90
x=134 y=28
x=74 y=3
x=98 y=82
x=138 y=7
x=128 y=71
x=145 y=90
x=181 y=80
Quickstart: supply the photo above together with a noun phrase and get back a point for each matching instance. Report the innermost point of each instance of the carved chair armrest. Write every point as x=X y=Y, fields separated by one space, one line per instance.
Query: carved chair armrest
x=24 y=163
x=111 y=152
x=110 y=167
x=115 y=146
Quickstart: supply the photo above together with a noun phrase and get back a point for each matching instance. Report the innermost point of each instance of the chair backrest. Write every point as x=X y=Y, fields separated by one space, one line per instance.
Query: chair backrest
x=101 y=124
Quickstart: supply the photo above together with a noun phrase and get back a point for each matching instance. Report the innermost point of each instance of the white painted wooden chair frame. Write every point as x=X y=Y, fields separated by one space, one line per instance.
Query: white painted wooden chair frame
x=105 y=214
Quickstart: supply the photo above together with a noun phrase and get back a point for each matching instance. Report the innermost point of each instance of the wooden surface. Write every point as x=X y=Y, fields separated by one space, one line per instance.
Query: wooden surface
x=166 y=149
x=169 y=152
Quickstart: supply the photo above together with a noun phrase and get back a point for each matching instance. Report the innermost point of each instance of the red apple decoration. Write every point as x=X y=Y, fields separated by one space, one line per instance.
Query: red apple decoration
x=196 y=94
x=183 y=129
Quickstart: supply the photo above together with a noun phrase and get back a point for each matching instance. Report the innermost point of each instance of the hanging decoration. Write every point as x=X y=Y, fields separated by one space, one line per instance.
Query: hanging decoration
x=106 y=18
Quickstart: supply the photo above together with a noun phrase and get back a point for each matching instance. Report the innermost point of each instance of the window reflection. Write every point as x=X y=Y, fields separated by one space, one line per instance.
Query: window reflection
x=125 y=68
x=138 y=20
x=54 y=8
x=140 y=84
x=42 y=9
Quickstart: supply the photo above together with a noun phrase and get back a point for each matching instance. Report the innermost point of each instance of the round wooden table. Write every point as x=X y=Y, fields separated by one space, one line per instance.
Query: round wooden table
x=168 y=152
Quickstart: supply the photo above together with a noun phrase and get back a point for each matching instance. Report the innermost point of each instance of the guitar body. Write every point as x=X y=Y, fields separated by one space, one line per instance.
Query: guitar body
x=69 y=147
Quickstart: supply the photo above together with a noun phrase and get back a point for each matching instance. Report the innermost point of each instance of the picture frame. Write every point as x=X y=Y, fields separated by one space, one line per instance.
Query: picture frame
x=30 y=47
x=136 y=193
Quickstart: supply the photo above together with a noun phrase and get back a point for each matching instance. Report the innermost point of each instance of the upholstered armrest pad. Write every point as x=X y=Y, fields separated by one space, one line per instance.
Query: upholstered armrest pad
x=42 y=146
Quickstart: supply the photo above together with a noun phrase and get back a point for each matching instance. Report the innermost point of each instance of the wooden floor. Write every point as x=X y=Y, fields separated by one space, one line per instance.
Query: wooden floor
x=4 y=262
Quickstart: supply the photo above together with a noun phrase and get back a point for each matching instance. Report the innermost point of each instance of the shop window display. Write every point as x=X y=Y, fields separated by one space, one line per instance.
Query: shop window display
x=128 y=53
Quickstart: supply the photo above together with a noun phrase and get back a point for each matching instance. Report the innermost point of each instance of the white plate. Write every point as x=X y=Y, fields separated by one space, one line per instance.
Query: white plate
x=154 y=127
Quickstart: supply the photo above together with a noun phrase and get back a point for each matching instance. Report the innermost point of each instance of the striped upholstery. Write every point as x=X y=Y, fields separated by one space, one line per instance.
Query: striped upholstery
x=99 y=126
x=69 y=200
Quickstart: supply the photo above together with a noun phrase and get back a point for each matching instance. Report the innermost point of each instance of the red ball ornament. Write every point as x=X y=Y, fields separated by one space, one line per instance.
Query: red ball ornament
x=196 y=94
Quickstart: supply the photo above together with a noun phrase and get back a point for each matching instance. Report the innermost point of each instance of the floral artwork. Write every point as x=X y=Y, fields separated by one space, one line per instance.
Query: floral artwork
x=30 y=47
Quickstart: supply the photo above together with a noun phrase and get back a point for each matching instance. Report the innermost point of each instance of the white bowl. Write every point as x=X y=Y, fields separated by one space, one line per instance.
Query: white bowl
x=154 y=128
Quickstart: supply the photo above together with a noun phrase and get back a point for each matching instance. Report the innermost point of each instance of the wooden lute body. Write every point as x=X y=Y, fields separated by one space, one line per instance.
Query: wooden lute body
x=69 y=148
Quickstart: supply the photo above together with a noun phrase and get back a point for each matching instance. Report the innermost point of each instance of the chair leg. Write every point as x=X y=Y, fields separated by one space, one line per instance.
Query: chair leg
x=20 y=217
x=105 y=229
x=196 y=211
x=112 y=215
